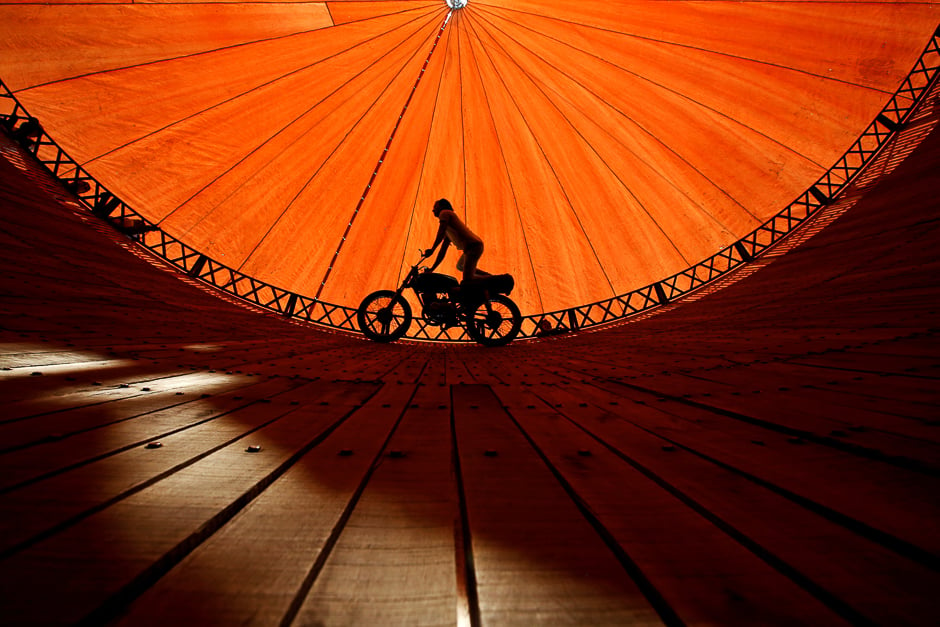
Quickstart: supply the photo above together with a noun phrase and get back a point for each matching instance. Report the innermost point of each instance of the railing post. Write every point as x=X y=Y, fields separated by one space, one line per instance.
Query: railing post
x=660 y=293
x=198 y=266
x=886 y=122
x=745 y=255
x=818 y=195
x=291 y=305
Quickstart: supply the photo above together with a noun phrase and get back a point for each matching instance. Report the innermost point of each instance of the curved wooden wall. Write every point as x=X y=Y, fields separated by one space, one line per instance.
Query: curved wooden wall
x=614 y=142
x=763 y=454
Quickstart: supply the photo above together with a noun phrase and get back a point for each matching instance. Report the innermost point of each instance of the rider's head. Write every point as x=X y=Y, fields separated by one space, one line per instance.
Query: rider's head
x=441 y=205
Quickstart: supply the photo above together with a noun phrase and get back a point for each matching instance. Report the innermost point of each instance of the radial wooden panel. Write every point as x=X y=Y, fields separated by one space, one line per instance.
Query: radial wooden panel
x=616 y=142
x=80 y=39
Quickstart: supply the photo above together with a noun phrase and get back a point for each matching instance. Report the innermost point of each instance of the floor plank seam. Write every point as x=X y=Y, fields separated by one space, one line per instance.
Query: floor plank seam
x=464 y=549
x=325 y=551
x=113 y=606
x=906 y=463
x=131 y=491
x=665 y=611
x=131 y=446
x=819 y=592
x=887 y=540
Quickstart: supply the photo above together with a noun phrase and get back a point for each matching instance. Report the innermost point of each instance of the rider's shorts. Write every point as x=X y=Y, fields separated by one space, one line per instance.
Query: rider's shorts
x=475 y=250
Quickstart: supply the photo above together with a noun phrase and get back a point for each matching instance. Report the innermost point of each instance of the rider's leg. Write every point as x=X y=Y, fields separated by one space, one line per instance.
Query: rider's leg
x=471 y=257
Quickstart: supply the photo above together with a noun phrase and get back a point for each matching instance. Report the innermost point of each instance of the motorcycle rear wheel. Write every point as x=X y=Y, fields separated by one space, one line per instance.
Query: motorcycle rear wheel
x=497 y=326
x=384 y=316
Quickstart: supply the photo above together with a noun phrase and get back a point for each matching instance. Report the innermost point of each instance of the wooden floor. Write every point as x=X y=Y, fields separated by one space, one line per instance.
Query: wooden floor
x=767 y=453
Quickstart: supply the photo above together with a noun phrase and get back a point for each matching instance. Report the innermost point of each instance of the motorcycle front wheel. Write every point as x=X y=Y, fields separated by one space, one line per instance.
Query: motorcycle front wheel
x=384 y=316
x=497 y=325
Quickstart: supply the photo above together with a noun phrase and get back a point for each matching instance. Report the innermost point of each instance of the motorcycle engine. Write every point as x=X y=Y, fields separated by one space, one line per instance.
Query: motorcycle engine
x=440 y=313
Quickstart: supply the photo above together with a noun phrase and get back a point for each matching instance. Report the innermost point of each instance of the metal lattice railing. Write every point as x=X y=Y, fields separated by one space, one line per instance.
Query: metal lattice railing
x=100 y=201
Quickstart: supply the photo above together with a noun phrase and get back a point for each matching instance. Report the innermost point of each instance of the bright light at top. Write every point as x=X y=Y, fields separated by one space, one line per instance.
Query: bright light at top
x=456 y=4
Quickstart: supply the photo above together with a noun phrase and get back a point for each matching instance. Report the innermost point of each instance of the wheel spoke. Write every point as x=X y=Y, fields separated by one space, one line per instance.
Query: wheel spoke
x=494 y=322
x=384 y=316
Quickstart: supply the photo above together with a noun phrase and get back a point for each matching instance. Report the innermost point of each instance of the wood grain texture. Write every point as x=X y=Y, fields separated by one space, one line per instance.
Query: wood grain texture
x=763 y=453
x=619 y=142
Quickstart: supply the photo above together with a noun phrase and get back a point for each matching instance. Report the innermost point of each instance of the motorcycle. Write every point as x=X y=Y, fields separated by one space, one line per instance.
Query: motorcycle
x=482 y=305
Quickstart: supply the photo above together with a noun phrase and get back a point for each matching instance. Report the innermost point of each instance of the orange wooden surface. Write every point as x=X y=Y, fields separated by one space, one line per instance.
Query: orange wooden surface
x=761 y=452
x=613 y=142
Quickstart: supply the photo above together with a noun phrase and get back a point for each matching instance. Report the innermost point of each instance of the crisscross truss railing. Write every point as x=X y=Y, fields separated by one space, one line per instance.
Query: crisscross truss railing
x=100 y=201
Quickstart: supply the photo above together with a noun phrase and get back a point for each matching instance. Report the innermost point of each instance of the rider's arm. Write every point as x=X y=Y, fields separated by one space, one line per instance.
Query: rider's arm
x=441 y=235
x=440 y=255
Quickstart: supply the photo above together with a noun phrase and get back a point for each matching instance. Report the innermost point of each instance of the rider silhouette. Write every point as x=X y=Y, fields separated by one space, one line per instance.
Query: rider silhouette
x=453 y=230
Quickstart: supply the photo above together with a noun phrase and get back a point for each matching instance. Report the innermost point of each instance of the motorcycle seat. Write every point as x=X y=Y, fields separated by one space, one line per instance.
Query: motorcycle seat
x=493 y=283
